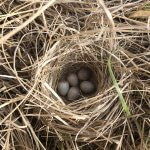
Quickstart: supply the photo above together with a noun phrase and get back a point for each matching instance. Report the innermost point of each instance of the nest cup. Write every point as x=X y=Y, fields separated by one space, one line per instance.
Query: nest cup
x=72 y=64
x=77 y=113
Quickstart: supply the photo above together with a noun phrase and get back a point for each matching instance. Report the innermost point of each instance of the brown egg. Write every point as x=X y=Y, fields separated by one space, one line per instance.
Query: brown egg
x=63 y=88
x=87 y=87
x=72 y=79
x=74 y=93
x=84 y=74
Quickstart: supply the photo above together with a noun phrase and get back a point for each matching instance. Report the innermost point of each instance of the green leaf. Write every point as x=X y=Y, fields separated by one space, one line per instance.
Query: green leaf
x=147 y=6
x=122 y=100
x=62 y=146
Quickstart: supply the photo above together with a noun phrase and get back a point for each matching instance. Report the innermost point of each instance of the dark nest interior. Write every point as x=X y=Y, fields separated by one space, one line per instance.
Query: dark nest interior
x=41 y=42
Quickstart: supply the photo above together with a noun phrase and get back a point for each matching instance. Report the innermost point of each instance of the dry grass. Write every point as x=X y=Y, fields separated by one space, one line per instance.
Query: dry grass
x=40 y=41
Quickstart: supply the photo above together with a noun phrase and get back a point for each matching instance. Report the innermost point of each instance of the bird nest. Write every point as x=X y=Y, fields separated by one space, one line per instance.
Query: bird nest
x=89 y=117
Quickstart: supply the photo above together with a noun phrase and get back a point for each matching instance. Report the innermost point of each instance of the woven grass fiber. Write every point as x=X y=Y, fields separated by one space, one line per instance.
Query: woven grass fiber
x=41 y=41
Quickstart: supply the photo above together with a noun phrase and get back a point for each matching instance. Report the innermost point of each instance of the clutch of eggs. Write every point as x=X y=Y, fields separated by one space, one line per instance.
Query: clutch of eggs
x=76 y=84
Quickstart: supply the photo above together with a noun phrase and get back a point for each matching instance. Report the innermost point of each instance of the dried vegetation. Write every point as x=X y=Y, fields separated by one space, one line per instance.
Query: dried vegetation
x=40 y=40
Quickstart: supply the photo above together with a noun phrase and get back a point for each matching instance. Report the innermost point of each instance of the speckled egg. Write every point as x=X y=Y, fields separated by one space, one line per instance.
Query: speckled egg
x=87 y=87
x=63 y=88
x=84 y=74
x=72 y=79
x=74 y=93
